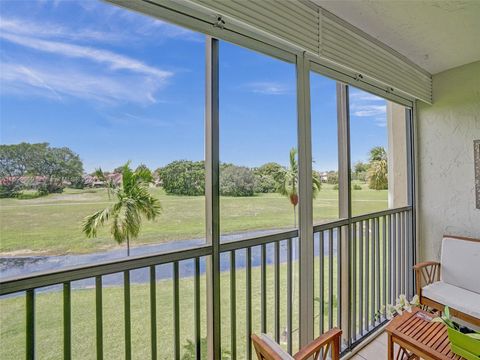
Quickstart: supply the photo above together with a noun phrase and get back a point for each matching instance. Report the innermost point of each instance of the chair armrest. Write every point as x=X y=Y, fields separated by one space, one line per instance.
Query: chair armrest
x=331 y=339
x=426 y=273
x=425 y=263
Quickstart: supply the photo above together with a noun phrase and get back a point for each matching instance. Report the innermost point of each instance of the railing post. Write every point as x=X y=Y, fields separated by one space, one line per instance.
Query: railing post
x=305 y=201
x=344 y=208
x=212 y=197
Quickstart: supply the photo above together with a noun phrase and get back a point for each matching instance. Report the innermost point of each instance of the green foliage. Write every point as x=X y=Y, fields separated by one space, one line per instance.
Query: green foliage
x=132 y=202
x=289 y=186
x=360 y=170
x=357 y=187
x=236 y=180
x=183 y=177
x=15 y=160
x=78 y=183
x=268 y=177
x=190 y=353
x=54 y=166
x=332 y=177
x=378 y=169
x=10 y=188
x=50 y=187
x=335 y=187
x=144 y=168
x=377 y=153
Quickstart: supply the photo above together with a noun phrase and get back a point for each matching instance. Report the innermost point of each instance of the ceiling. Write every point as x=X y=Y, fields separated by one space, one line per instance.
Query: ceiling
x=436 y=35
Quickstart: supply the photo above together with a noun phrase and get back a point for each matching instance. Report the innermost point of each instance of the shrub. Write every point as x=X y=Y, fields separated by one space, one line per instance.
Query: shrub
x=268 y=177
x=357 y=187
x=265 y=184
x=183 y=177
x=10 y=188
x=46 y=188
x=335 y=187
x=236 y=181
x=78 y=183
x=332 y=177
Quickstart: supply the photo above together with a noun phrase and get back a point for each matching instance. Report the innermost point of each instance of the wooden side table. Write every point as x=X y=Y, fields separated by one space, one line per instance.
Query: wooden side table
x=418 y=337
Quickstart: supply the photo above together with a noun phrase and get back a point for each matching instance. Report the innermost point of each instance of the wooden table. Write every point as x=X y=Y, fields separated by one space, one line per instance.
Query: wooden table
x=418 y=337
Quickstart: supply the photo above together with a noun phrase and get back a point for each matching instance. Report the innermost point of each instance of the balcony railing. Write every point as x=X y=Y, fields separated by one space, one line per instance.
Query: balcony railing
x=259 y=291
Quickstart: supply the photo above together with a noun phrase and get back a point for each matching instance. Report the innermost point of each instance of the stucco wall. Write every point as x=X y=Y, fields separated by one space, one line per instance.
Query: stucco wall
x=445 y=134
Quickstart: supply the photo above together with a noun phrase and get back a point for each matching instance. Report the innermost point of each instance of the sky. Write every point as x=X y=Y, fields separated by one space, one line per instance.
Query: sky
x=117 y=86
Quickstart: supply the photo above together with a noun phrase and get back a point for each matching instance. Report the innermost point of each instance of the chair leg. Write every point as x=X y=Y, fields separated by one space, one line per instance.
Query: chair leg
x=336 y=348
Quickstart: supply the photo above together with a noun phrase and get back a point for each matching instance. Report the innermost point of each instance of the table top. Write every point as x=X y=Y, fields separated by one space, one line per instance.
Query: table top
x=419 y=334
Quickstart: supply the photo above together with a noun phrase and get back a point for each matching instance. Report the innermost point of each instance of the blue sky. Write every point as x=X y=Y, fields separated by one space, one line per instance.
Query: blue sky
x=114 y=85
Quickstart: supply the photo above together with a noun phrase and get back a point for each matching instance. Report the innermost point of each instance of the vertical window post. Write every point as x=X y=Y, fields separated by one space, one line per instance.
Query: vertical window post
x=305 y=201
x=345 y=208
x=212 y=197
x=411 y=195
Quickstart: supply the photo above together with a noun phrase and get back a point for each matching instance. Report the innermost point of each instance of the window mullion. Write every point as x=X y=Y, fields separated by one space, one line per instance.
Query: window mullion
x=212 y=196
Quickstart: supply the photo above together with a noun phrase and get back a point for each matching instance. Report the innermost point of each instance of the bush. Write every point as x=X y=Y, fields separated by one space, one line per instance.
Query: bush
x=335 y=187
x=236 y=181
x=49 y=188
x=357 y=187
x=78 y=183
x=10 y=188
x=183 y=177
x=265 y=184
x=332 y=177
x=268 y=177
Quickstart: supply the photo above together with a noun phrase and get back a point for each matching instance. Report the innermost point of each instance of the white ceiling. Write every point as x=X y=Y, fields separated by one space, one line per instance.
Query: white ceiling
x=436 y=35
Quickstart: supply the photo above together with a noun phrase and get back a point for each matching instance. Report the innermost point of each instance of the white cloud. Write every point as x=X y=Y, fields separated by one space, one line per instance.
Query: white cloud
x=369 y=106
x=368 y=110
x=17 y=26
x=358 y=95
x=113 y=60
x=267 y=88
x=45 y=81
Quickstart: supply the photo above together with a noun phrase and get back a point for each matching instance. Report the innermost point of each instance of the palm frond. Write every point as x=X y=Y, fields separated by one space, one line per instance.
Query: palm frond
x=93 y=222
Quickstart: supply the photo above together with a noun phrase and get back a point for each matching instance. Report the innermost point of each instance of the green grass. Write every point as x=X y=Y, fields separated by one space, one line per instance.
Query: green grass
x=49 y=321
x=52 y=224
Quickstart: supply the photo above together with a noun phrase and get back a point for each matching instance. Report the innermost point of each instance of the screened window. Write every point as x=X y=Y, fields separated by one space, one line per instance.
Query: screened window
x=378 y=153
x=324 y=148
x=84 y=95
x=258 y=143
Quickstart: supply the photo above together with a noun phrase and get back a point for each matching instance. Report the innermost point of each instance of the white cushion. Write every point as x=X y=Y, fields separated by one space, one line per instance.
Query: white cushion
x=275 y=347
x=461 y=263
x=455 y=297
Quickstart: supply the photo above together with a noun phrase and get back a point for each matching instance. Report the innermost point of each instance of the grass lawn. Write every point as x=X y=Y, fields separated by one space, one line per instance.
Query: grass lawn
x=49 y=321
x=52 y=224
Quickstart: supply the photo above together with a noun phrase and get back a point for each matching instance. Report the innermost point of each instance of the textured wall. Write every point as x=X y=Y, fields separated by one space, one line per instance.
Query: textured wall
x=445 y=134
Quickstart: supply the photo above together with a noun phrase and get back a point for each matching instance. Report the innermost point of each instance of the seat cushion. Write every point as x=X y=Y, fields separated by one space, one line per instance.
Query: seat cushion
x=461 y=263
x=454 y=297
x=275 y=347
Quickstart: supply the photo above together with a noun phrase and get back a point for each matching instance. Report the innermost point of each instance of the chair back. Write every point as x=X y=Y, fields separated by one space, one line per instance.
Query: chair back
x=267 y=349
x=461 y=262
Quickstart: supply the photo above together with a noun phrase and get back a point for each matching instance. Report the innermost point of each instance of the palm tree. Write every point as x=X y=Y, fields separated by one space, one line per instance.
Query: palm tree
x=378 y=169
x=133 y=201
x=289 y=186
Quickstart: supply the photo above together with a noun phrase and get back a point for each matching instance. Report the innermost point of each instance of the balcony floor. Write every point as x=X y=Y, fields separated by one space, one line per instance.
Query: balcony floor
x=375 y=350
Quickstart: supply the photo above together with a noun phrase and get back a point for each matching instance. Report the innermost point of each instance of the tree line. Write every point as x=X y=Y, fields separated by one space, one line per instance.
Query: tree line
x=50 y=169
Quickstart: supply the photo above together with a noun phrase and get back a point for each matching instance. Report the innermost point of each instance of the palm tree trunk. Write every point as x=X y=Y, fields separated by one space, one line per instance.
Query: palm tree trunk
x=294 y=217
x=128 y=246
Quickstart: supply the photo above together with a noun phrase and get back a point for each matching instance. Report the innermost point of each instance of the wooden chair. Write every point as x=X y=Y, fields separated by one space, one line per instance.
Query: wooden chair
x=320 y=348
x=458 y=269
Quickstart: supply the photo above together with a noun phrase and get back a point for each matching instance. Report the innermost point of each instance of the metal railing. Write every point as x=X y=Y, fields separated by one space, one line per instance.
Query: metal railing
x=264 y=269
x=380 y=267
